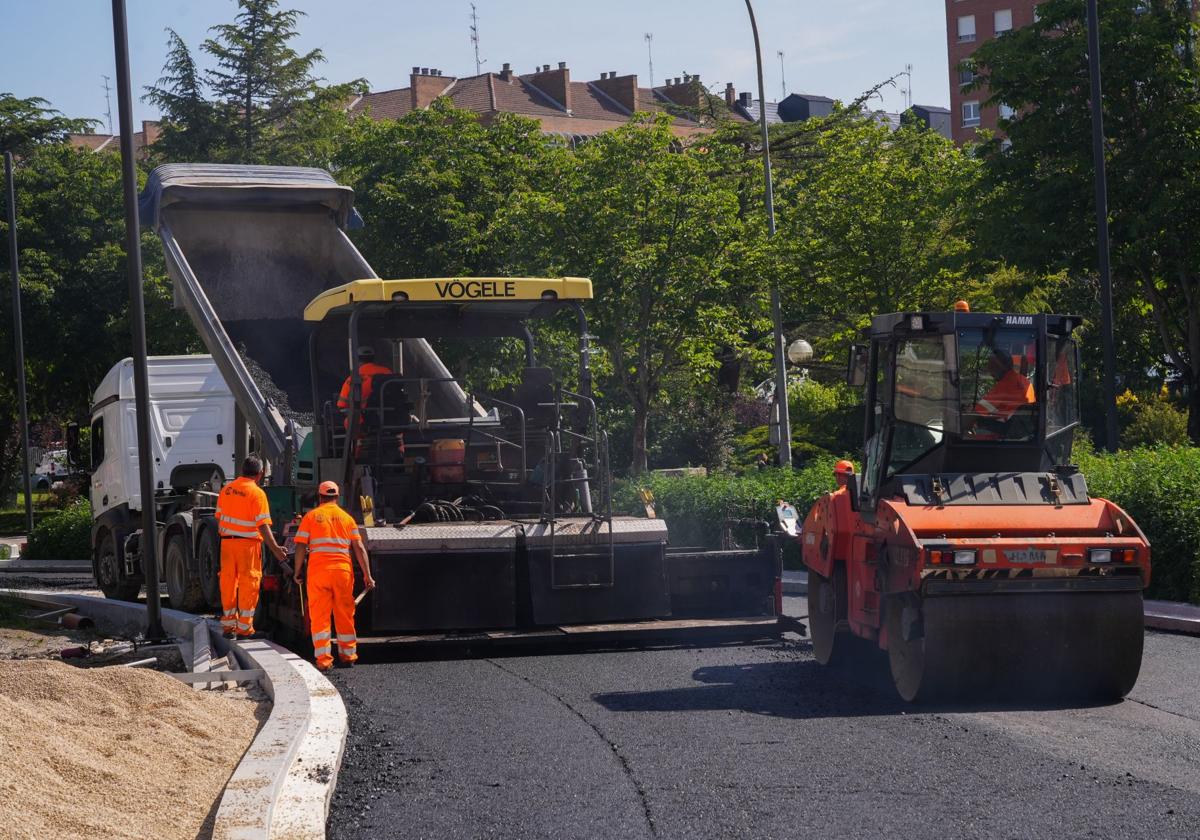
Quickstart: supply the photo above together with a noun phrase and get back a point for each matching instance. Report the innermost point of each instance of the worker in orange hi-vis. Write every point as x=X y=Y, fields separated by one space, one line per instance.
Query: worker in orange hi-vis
x=244 y=522
x=367 y=371
x=1010 y=392
x=326 y=537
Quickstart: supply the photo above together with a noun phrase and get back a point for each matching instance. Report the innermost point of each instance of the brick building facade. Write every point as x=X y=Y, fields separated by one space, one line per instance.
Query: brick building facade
x=968 y=24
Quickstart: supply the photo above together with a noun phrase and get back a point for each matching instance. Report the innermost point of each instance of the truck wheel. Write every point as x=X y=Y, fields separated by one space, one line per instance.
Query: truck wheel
x=826 y=607
x=109 y=575
x=208 y=558
x=183 y=588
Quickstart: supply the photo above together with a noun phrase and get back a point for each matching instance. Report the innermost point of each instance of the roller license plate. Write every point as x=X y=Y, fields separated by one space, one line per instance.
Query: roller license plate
x=1026 y=555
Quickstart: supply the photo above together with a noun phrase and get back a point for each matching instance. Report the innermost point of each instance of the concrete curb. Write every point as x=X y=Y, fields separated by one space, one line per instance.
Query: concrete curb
x=795 y=583
x=1168 y=615
x=21 y=566
x=284 y=783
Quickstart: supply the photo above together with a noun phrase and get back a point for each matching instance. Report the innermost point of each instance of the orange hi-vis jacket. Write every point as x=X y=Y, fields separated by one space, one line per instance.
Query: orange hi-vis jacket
x=1011 y=392
x=368 y=371
x=241 y=508
x=327 y=530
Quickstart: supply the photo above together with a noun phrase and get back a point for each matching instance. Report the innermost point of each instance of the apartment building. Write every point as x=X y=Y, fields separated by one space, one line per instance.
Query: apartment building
x=968 y=24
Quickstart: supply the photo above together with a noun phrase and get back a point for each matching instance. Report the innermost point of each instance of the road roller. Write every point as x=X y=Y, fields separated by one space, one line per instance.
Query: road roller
x=968 y=547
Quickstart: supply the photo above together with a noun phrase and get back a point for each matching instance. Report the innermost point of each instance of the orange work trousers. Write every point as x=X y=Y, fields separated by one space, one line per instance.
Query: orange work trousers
x=241 y=574
x=331 y=590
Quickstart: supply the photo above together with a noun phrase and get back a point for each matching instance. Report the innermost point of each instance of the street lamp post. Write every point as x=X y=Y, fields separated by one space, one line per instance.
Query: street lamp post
x=18 y=338
x=137 y=321
x=1101 y=179
x=781 y=401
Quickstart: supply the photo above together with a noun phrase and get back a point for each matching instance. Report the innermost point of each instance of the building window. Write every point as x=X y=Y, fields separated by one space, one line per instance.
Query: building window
x=970 y=114
x=1003 y=20
x=1006 y=111
x=966 y=28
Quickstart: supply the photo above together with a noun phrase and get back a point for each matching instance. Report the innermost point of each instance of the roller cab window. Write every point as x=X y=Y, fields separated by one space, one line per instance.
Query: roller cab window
x=923 y=400
x=997 y=394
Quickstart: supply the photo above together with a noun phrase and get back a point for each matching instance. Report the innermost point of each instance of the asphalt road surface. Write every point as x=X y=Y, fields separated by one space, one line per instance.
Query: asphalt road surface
x=752 y=741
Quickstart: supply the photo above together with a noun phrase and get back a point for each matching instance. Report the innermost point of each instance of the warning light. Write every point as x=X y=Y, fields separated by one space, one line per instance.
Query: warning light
x=962 y=306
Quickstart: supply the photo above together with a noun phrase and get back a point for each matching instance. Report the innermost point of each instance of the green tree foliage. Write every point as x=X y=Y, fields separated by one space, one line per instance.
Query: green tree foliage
x=1037 y=195
x=662 y=236
x=190 y=128
x=28 y=123
x=74 y=288
x=443 y=192
x=872 y=221
x=260 y=103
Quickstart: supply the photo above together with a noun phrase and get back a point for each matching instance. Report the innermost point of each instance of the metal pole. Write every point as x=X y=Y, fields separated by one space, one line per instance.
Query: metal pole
x=1106 y=305
x=18 y=337
x=137 y=320
x=785 y=423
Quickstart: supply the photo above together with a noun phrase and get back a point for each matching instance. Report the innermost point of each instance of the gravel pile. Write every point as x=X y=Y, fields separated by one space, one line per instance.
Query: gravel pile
x=113 y=752
x=272 y=391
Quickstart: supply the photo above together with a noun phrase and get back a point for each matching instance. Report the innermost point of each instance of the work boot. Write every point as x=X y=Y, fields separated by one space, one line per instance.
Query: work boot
x=229 y=634
x=345 y=663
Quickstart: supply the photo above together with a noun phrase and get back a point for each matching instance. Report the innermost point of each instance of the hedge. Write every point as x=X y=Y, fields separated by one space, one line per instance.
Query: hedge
x=62 y=535
x=696 y=508
x=1157 y=487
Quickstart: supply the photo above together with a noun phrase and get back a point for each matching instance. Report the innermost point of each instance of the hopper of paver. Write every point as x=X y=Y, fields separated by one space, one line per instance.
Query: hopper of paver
x=247 y=247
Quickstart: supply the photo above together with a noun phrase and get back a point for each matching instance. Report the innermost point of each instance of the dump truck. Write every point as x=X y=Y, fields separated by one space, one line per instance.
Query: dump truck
x=968 y=548
x=487 y=516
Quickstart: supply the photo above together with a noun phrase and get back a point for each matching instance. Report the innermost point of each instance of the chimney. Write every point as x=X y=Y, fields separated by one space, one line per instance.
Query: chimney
x=554 y=83
x=622 y=89
x=426 y=86
x=506 y=72
x=686 y=93
x=730 y=94
x=746 y=100
x=150 y=132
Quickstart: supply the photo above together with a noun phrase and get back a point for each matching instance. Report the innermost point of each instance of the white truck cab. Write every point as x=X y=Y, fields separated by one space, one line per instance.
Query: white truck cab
x=191 y=430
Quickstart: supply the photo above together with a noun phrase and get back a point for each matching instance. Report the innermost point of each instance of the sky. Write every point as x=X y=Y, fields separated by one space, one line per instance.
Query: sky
x=61 y=49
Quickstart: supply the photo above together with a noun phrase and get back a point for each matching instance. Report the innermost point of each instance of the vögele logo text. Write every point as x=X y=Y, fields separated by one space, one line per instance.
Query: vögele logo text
x=476 y=288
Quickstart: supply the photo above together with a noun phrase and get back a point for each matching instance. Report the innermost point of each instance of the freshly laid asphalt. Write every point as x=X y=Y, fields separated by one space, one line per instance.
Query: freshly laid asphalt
x=752 y=740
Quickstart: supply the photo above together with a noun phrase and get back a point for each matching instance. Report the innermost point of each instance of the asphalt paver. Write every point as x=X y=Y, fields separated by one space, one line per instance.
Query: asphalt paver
x=752 y=740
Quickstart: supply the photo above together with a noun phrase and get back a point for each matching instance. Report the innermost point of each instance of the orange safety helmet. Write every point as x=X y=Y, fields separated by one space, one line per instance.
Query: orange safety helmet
x=329 y=488
x=842 y=472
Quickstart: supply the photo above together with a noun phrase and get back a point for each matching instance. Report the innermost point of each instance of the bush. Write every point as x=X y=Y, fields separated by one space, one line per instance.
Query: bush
x=696 y=508
x=1156 y=422
x=64 y=535
x=1157 y=487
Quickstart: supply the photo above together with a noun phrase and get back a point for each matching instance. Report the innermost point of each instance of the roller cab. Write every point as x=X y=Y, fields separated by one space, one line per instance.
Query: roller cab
x=968 y=547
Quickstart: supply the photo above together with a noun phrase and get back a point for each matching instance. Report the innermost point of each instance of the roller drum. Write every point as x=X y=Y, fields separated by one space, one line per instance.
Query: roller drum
x=1008 y=646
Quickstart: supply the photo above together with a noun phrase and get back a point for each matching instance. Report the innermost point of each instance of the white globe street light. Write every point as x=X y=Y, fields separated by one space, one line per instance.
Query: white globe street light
x=799 y=352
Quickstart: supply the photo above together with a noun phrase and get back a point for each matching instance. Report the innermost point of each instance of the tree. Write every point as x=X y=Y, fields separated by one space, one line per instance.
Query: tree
x=28 y=123
x=261 y=103
x=266 y=91
x=451 y=186
x=658 y=229
x=190 y=129
x=1037 y=193
x=74 y=288
x=872 y=221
